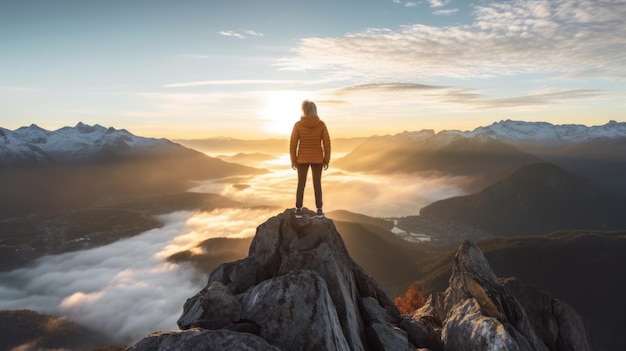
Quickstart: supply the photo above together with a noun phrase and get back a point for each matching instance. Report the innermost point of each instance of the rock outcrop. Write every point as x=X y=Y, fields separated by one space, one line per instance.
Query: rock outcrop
x=478 y=311
x=298 y=289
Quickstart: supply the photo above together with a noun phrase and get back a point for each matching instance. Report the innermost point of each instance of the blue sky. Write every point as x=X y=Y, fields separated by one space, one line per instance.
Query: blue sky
x=196 y=69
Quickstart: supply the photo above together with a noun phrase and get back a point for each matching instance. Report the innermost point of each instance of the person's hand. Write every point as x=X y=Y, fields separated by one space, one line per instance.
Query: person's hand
x=293 y=166
x=325 y=165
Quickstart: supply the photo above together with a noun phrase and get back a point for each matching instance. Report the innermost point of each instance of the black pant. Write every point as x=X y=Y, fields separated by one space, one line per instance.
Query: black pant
x=303 y=170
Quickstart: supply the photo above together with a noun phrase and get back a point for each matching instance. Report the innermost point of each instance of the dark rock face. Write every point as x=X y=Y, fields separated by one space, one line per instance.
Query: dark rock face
x=298 y=289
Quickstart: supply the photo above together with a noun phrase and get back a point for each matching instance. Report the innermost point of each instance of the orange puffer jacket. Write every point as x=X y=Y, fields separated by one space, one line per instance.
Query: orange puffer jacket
x=310 y=142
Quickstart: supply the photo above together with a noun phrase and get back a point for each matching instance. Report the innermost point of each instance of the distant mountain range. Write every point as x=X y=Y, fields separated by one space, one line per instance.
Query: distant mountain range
x=546 y=133
x=35 y=146
x=486 y=154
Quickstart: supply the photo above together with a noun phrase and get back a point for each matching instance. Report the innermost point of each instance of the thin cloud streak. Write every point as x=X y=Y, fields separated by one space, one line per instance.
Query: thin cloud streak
x=438 y=3
x=470 y=98
x=232 y=33
x=446 y=12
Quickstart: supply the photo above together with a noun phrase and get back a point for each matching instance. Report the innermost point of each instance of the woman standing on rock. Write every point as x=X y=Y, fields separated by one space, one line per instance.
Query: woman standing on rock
x=309 y=147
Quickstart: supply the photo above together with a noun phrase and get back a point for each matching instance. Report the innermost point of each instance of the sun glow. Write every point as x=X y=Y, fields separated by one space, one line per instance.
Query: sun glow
x=281 y=110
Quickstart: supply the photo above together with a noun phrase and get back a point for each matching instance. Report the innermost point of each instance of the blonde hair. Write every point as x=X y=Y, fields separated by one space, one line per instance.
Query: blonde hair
x=309 y=109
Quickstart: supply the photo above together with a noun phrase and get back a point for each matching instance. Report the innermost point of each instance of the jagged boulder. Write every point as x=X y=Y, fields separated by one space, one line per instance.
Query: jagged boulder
x=214 y=305
x=298 y=289
x=480 y=312
x=293 y=306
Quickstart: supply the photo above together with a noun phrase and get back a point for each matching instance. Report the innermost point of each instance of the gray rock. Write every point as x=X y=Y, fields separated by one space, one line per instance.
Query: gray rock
x=198 y=339
x=467 y=328
x=373 y=312
x=295 y=312
x=214 y=305
x=384 y=337
x=423 y=333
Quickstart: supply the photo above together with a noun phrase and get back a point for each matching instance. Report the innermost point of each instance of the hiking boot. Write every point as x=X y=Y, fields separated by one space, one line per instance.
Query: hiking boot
x=298 y=212
x=320 y=213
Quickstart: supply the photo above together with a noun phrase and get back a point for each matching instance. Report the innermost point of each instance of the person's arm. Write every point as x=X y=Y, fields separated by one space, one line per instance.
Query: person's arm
x=293 y=146
x=326 y=143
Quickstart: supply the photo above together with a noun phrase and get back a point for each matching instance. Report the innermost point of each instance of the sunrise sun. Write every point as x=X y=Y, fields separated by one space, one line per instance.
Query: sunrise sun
x=281 y=110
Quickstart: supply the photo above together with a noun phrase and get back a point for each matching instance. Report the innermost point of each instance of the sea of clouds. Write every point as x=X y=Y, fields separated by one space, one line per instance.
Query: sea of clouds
x=369 y=194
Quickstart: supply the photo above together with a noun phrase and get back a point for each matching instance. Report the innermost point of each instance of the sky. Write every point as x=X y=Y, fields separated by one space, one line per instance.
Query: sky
x=195 y=69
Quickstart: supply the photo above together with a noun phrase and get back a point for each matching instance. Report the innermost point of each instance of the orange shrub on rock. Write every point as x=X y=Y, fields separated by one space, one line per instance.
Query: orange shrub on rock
x=412 y=299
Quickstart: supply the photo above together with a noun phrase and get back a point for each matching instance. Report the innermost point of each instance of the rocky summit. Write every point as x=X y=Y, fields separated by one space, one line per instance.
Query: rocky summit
x=298 y=289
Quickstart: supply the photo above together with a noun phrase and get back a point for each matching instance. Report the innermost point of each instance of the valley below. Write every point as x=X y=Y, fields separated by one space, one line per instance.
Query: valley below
x=109 y=241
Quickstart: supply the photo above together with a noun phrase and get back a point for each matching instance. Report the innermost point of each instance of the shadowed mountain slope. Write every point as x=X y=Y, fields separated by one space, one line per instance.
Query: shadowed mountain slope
x=603 y=161
x=535 y=199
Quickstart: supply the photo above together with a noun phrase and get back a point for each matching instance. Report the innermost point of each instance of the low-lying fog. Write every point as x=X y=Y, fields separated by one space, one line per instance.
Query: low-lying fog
x=369 y=194
x=127 y=289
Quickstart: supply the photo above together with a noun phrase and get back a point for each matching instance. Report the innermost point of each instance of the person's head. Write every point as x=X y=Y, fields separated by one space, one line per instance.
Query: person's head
x=309 y=109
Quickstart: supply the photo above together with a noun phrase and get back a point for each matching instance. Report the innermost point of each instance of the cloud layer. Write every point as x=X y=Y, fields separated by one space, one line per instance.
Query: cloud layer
x=373 y=195
x=563 y=37
x=126 y=289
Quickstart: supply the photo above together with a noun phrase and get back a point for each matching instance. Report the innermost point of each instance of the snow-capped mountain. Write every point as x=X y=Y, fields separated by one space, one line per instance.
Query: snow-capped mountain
x=515 y=132
x=82 y=143
x=518 y=131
